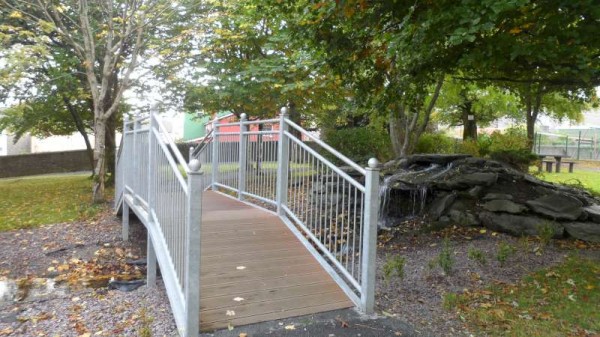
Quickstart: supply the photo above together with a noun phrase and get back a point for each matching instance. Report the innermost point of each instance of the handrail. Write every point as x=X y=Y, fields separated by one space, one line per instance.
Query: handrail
x=202 y=143
x=333 y=151
x=171 y=144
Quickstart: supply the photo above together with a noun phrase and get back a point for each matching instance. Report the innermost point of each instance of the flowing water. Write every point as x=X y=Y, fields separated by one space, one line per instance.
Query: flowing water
x=411 y=187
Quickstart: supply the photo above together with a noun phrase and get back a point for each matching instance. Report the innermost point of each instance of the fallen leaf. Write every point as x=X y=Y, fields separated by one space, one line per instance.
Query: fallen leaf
x=230 y=326
x=230 y=313
x=290 y=327
x=240 y=268
x=243 y=334
x=238 y=299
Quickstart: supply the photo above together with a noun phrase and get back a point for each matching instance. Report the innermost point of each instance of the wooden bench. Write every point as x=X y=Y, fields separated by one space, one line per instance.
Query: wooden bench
x=571 y=165
x=548 y=165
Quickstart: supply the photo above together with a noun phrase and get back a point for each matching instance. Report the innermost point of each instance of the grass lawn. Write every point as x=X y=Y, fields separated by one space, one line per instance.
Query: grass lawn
x=559 y=301
x=586 y=179
x=33 y=201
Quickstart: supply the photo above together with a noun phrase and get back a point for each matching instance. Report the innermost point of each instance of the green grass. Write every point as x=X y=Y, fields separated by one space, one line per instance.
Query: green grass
x=33 y=201
x=589 y=180
x=559 y=301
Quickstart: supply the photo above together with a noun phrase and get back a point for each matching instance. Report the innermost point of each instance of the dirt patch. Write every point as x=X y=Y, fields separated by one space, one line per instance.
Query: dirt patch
x=418 y=297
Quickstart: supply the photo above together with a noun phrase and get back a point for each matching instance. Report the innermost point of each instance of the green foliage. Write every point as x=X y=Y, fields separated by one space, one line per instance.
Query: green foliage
x=505 y=251
x=360 y=144
x=519 y=159
x=545 y=232
x=394 y=266
x=469 y=146
x=509 y=139
x=446 y=259
x=34 y=201
x=585 y=180
x=477 y=255
x=435 y=143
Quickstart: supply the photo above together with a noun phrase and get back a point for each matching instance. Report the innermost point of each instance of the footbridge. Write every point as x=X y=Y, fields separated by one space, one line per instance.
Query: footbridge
x=262 y=221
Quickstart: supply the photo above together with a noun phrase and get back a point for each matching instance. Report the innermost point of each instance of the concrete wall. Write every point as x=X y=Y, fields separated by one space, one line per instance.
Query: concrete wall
x=43 y=163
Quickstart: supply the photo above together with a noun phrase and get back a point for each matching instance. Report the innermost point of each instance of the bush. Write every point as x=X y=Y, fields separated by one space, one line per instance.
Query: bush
x=512 y=139
x=394 y=265
x=435 y=143
x=519 y=159
x=469 y=147
x=445 y=259
x=360 y=144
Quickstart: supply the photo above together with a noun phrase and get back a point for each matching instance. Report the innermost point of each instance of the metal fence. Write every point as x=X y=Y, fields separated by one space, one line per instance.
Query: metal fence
x=155 y=182
x=582 y=144
x=332 y=210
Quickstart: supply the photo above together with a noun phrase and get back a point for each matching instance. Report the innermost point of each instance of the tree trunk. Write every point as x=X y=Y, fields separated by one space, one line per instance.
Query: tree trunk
x=469 y=125
x=396 y=131
x=110 y=148
x=99 y=158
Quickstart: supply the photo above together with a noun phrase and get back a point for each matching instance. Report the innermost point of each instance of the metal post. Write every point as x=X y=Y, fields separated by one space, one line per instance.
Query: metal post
x=535 y=140
x=150 y=263
x=567 y=146
x=540 y=143
x=242 y=159
x=578 y=144
x=151 y=160
x=192 y=253
x=215 y=154
x=125 y=220
x=369 y=236
x=283 y=163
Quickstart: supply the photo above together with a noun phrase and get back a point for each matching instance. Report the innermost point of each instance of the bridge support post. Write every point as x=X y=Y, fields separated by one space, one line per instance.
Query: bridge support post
x=150 y=264
x=243 y=157
x=369 y=239
x=215 y=155
x=283 y=162
x=125 y=221
x=192 y=250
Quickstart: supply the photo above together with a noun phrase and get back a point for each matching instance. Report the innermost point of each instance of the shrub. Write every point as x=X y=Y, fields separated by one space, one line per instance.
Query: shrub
x=360 y=144
x=510 y=139
x=504 y=252
x=435 y=143
x=469 y=147
x=445 y=259
x=394 y=265
x=519 y=159
x=477 y=255
x=545 y=233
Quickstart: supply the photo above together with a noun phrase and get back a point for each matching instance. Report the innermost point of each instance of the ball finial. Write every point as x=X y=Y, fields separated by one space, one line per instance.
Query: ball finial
x=243 y=116
x=373 y=163
x=284 y=111
x=195 y=165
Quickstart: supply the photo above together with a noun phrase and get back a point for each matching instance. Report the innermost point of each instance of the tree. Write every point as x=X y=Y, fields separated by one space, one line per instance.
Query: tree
x=470 y=105
x=249 y=64
x=109 y=40
x=390 y=52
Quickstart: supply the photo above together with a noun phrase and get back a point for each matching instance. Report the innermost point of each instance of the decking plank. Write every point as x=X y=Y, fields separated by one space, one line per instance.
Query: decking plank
x=278 y=277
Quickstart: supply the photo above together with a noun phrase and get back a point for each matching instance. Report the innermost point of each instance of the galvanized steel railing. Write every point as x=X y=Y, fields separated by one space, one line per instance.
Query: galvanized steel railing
x=331 y=209
x=165 y=193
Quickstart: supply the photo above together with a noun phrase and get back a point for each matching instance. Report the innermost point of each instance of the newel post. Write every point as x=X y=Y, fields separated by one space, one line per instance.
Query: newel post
x=243 y=156
x=123 y=175
x=283 y=163
x=215 y=154
x=192 y=249
x=369 y=236
x=151 y=263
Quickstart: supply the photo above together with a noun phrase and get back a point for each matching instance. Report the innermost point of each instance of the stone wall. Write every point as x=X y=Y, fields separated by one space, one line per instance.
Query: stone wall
x=44 y=163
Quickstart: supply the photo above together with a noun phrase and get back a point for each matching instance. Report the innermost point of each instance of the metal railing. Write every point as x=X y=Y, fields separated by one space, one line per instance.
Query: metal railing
x=331 y=209
x=156 y=183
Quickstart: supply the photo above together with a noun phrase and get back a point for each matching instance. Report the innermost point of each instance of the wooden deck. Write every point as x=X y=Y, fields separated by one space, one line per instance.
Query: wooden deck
x=253 y=269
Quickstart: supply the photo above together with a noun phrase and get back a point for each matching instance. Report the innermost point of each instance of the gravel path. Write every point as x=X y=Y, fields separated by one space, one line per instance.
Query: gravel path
x=58 y=277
